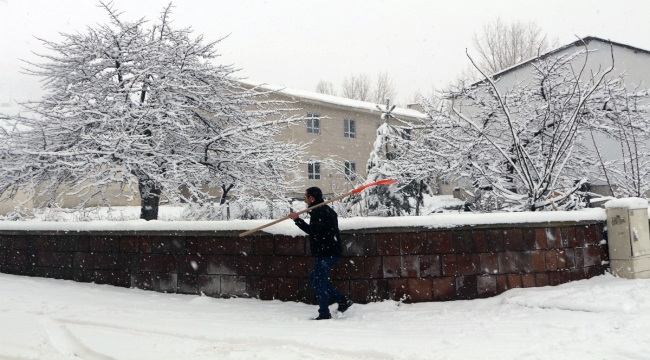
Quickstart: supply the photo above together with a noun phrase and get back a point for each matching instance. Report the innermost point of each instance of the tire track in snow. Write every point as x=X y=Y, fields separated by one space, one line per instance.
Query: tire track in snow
x=565 y=307
x=66 y=343
x=255 y=341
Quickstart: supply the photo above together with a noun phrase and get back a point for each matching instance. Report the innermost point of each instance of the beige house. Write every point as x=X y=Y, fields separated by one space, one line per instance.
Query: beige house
x=341 y=129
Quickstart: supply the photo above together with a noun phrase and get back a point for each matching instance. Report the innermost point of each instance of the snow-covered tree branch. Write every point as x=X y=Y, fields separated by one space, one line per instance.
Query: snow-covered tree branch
x=624 y=118
x=527 y=151
x=144 y=107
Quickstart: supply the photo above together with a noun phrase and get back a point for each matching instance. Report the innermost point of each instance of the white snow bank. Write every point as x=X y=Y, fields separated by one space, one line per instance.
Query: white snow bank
x=627 y=203
x=600 y=318
x=445 y=220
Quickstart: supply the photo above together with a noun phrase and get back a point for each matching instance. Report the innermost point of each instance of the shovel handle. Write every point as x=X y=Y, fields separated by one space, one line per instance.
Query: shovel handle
x=299 y=212
x=355 y=191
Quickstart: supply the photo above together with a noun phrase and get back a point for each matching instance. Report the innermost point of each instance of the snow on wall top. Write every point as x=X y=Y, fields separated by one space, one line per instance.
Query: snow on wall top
x=438 y=221
x=627 y=203
x=330 y=99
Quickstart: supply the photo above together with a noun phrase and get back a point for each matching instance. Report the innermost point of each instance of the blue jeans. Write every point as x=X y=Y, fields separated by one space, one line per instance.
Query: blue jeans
x=322 y=287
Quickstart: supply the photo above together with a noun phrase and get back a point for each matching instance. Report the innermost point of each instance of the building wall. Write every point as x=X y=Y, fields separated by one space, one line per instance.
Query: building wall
x=113 y=193
x=410 y=264
x=331 y=141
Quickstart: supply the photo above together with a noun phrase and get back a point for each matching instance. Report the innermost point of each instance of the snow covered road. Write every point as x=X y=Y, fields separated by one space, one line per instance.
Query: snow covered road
x=600 y=318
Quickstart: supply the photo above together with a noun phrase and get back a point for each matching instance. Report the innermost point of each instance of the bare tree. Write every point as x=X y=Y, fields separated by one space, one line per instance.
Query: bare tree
x=467 y=76
x=413 y=98
x=418 y=99
x=360 y=87
x=502 y=44
x=325 y=87
x=384 y=88
x=357 y=87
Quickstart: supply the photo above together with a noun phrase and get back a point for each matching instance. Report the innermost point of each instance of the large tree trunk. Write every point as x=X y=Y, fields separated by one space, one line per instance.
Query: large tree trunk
x=224 y=193
x=149 y=199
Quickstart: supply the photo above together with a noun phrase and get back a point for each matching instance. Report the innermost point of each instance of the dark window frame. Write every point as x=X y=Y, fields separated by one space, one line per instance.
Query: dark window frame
x=349 y=128
x=313 y=171
x=350 y=170
x=313 y=123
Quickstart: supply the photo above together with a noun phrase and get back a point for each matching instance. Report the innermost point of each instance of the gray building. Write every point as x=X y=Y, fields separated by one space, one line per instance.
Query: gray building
x=631 y=62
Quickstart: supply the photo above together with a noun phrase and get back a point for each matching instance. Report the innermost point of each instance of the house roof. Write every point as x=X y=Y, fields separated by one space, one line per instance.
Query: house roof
x=332 y=100
x=579 y=42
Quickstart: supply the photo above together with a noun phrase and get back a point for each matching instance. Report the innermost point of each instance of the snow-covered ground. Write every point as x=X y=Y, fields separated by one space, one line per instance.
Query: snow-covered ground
x=600 y=318
x=432 y=204
x=440 y=203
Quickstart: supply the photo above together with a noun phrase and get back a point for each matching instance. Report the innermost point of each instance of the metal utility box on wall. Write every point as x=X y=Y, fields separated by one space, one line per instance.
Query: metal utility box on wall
x=629 y=238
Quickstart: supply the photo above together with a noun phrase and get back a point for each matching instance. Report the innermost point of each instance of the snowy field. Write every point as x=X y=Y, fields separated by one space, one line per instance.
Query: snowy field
x=600 y=318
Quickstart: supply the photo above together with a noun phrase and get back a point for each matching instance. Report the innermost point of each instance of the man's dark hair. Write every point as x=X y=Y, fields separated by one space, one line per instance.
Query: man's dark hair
x=316 y=193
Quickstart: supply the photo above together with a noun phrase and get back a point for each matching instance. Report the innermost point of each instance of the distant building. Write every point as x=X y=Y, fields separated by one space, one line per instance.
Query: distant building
x=629 y=60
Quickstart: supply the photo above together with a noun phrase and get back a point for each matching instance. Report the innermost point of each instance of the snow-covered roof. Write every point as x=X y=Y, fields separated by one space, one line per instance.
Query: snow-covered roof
x=580 y=42
x=331 y=99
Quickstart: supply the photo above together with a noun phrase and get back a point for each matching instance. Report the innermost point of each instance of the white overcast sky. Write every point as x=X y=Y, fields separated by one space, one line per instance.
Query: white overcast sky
x=296 y=43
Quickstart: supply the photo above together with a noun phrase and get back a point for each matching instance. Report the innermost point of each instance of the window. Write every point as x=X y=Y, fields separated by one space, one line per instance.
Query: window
x=313 y=171
x=444 y=182
x=349 y=129
x=313 y=123
x=350 y=170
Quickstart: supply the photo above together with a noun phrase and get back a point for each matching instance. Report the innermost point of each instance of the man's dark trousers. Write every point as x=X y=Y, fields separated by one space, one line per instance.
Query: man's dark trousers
x=322 y=287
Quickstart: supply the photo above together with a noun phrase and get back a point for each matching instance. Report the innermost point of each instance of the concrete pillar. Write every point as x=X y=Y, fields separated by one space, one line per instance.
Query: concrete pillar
x=628 y=238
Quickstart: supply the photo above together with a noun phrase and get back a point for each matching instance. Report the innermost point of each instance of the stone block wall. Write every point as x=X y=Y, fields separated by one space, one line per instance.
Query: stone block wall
x=413 y=265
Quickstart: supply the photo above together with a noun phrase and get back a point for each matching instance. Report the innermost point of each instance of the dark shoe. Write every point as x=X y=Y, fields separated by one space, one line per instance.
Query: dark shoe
x=344 y=304
x=323 y=317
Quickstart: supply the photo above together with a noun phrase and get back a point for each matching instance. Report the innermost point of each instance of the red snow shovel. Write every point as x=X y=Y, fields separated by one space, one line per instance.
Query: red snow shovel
x=357 y=190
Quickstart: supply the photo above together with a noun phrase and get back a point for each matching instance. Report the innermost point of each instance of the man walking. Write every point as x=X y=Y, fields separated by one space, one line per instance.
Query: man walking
x=325 y=243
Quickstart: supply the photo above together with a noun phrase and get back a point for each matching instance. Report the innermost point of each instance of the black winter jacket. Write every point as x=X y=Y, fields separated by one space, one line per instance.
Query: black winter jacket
x=323 y=230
